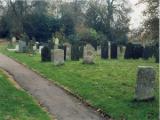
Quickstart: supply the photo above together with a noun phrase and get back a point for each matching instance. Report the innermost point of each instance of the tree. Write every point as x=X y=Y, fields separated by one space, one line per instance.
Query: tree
x=151 y=23
x=109 y=17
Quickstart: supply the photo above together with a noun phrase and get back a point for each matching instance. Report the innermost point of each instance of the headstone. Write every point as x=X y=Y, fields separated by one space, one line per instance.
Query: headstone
x=75 y=52
x=105 y=50
x=109 y=50
x=98 y=50
x=58 y=56
x=17 y=48
x=22 y=46
x=34 y=48
x=40 y=49
x=45 y=54
x=118 y=51
x=114 y=51
x=88 y=55
x=67 y=51
x=13 y=39
x=145 y=83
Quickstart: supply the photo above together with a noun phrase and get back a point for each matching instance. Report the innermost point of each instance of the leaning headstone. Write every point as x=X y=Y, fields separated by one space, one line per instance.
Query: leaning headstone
x=40 y=49
x=145 y=83
x=22 y=46
x=67 y=51
x=58 y=56
x=88 y=55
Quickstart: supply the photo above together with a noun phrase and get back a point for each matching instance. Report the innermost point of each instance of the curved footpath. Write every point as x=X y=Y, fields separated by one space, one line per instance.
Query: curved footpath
x=60 y=104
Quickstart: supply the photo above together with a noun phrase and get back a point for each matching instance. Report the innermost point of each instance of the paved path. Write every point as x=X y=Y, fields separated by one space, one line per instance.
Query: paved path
x=60 y=104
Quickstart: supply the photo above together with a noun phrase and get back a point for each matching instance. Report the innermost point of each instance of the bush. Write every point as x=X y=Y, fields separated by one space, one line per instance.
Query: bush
x=46 y=54
x=114 y=51
x=75 y=52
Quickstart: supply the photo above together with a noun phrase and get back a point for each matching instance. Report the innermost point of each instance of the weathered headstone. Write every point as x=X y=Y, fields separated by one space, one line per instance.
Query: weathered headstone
x=13 y=39
x=98 y=50
x=67 y=51
x=17 y=48
x=114 y=51
x=145 y=83
x=22 y=46
x=45 y=54
x=109 y=50
x=88 y=55
x=40 y=49
x=58 y=56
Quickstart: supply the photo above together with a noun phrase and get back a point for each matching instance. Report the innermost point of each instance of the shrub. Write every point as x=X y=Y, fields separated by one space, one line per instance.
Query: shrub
x=46 y=54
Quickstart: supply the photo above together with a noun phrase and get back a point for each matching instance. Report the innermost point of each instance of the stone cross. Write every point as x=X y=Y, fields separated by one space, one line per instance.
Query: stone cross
x=145 y=83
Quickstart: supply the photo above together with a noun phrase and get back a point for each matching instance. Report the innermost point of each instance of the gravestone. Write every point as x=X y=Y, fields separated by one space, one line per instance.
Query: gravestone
x=75 y=52
x=40 y=49
x=22 y=46
x=98 y=50
x=34 y=48
x=13 y=39
x=67 y=51
x=105 y=51
x=145 y=83
x=109 y=50
x=45 y=54
x=58 y=56
x=114 y=51
x=88 y=55
x=17 y=48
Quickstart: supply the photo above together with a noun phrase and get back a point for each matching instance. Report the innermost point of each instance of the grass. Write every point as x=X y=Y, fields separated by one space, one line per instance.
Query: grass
x=108 y=84
x=16 y=104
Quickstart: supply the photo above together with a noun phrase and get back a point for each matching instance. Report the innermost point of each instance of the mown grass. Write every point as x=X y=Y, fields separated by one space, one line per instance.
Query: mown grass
x=108 y=84
x=16 y=104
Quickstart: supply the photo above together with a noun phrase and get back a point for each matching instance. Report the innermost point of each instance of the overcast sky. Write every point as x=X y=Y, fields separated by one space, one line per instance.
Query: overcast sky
x=136 y=15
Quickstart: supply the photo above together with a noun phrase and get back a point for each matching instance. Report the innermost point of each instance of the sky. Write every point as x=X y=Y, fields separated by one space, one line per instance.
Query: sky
x=136 y=14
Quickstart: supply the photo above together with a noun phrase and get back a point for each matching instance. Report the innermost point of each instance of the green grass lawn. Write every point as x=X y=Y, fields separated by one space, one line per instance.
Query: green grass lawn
x=16 y=104
x=108 y=84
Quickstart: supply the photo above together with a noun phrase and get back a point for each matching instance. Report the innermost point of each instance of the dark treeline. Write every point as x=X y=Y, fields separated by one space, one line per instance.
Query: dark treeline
x=79 y=21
